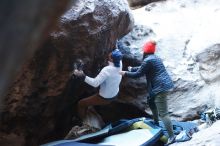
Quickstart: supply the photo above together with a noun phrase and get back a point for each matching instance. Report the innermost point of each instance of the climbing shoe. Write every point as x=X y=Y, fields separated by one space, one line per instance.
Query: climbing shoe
x=171 y=140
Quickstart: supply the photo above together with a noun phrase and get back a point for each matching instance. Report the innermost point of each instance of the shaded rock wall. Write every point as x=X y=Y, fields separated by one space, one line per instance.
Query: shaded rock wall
x=40 y=103
x=24 y=26
x=134 y=91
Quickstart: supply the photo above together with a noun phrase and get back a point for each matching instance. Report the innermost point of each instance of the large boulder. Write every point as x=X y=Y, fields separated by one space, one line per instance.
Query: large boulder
x=134 y=91
x=40 y=103
x=24 y=27
x=191 y=97
x=190 y=54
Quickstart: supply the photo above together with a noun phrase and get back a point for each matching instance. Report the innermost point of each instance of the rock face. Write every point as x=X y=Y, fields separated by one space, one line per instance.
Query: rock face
x=89 y=31
x=134 y=90
x=200 y=93
x=140 y=3
x=189 y=52
x=209 y=63
x=18 y=42
x=24 y=27
x=40 y=103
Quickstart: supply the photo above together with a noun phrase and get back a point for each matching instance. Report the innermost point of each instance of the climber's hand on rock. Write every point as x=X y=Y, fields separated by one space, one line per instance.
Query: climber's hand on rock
x=79 y=74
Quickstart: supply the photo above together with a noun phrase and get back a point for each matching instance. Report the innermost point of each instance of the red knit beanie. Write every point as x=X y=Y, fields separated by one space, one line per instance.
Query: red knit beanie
x=149 y=47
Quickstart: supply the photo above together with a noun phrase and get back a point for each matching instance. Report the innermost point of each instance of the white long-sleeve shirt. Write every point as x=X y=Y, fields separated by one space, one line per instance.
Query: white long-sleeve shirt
x=109 y=80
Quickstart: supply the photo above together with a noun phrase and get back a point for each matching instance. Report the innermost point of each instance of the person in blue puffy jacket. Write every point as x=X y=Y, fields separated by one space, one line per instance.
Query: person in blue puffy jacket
x=159 y=84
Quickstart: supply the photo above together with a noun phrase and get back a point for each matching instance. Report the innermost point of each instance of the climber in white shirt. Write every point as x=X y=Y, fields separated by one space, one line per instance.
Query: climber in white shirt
x=108 y=79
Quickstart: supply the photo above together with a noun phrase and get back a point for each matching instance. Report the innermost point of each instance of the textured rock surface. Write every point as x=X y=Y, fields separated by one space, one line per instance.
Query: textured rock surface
x=140 y=3
x=190 y=53
x=43 y=96
x=193 y=96
x=40 y=103
x=134 y=90
x=24 y=26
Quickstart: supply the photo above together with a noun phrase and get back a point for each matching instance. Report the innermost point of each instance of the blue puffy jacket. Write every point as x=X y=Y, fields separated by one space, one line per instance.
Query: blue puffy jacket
x=158 y=80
